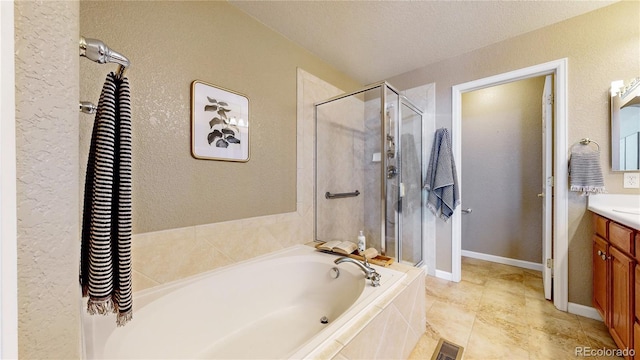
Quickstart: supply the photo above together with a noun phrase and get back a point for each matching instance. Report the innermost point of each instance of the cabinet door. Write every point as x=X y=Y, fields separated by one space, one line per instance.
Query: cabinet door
x=621 y=305
x=600 y=262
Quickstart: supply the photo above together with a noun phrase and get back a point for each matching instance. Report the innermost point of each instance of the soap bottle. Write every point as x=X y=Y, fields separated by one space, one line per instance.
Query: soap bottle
x=362 y=243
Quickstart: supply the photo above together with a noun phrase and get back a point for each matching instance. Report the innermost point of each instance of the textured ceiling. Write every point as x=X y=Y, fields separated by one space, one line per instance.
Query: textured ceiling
x=375 y=40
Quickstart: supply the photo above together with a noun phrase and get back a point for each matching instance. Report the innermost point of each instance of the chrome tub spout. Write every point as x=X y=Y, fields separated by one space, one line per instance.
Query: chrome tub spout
x=369 y=271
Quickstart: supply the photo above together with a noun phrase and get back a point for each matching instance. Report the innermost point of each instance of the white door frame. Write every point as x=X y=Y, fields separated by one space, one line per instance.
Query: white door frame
x=8 y=222
x=547 y=183
x=560 y=189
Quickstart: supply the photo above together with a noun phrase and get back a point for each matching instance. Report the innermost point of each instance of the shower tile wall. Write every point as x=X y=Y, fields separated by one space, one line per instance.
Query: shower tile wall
x=163 y=256
x=340 y=151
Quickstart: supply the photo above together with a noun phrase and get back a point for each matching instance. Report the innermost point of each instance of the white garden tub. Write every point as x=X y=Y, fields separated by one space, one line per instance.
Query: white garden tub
x=269 y=307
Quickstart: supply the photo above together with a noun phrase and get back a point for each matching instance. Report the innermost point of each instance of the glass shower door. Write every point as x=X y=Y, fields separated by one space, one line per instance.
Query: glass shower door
x=403 y=174
x=391 y=174
x=410 y=190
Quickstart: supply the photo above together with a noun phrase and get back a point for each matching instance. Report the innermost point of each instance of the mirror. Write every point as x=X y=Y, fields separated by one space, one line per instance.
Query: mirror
x=625 y=125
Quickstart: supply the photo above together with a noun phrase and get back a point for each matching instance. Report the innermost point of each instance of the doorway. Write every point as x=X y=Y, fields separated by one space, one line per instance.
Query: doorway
x=502 y=162
x=559 y=159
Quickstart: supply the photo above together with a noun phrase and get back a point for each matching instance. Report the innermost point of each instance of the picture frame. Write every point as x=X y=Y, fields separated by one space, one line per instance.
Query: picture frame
x=219 y=123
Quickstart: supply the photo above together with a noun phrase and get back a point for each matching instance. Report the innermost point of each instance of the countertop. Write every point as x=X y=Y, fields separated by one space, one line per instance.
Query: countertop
x=621 y=208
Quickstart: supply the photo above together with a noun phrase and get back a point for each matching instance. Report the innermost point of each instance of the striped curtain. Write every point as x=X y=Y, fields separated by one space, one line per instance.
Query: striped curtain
x=105 y=266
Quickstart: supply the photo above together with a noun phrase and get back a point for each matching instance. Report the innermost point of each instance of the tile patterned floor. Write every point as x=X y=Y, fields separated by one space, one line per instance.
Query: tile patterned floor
x=499 y=312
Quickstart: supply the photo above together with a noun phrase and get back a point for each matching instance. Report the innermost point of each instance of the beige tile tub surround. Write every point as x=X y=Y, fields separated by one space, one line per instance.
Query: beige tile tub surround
x=388 y=330
x=164 y=256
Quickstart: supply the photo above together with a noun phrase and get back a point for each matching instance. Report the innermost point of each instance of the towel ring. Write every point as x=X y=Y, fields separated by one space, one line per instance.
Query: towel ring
x=587 y=141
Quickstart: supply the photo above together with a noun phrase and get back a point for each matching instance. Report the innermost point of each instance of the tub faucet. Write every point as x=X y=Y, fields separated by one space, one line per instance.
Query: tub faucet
x=369 y=271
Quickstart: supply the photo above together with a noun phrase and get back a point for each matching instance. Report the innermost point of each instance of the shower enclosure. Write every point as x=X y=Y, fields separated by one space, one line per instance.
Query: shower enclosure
x=369 y=171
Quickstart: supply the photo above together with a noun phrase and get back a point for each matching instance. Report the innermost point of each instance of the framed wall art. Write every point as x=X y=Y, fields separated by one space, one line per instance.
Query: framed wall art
x=219 y=123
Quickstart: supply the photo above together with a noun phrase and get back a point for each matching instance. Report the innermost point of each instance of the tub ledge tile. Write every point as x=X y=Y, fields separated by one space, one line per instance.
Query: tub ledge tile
x=326 y=351
x=355 y=326
x=340 y=357
x=384 y=301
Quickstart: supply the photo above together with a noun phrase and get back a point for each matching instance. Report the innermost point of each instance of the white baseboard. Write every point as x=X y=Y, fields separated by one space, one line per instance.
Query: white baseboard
x=503 y=260
x=444 y=275
x=586 y=311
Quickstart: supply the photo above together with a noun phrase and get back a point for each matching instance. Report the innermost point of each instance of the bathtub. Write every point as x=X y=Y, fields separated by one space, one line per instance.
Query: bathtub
x=267 y=307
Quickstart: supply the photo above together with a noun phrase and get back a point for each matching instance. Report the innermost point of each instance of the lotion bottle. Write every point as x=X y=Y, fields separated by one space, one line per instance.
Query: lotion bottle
x=362 y=243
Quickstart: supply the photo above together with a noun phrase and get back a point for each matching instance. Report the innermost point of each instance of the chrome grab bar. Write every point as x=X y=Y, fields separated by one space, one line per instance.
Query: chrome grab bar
x=329 y=195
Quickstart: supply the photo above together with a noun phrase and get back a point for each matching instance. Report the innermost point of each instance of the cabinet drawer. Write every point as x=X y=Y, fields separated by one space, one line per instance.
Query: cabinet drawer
x=600 y=225
x=621 y=237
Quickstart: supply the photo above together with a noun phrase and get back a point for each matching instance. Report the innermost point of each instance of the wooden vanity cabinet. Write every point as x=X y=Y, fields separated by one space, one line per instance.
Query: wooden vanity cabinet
x=616 y=280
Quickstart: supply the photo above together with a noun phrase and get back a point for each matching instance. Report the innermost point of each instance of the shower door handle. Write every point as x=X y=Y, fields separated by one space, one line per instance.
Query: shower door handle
x=392 y=172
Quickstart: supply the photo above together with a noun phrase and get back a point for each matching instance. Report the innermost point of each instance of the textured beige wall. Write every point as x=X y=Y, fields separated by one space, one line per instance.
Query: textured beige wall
x=47 y=169
x=601 y=46
x=170 y=44
x=502 y=170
